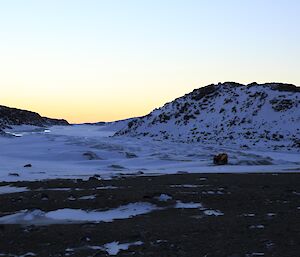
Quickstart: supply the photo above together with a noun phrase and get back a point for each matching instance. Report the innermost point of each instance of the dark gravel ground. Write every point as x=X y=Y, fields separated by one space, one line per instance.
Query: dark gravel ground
x=274 y=199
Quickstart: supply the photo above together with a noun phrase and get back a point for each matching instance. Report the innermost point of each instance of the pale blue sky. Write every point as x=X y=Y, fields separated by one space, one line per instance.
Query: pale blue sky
x=109 y=59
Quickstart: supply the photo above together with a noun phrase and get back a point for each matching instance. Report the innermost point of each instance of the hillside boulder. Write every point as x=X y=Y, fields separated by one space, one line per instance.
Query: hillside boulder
x=221 y=159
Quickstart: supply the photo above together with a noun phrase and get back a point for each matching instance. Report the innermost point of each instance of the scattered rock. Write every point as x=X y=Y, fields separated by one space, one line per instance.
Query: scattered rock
x=221 y=159
x=116 y=166
x=85 y=239
x=14 y=174
x=130 y=155
x=44 y=197
x=94 y=178
x=91 y=155
x=244 y=146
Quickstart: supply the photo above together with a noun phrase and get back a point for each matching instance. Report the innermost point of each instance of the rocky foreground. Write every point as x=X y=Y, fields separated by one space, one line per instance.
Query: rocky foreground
x=195 y=215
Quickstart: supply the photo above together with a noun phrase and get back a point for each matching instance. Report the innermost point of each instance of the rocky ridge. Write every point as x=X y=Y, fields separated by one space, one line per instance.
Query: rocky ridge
x=13 y=116
x=253 y=115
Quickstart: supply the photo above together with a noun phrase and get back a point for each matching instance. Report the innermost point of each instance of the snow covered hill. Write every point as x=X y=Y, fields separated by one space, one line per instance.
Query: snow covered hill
x=12 y=116
x=246 y=116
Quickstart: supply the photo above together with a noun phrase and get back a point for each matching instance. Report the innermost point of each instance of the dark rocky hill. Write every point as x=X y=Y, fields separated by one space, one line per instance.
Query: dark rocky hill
x=13 y=116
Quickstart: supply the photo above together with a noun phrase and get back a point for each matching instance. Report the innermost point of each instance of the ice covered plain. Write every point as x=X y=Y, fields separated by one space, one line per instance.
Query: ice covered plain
x=81 y=151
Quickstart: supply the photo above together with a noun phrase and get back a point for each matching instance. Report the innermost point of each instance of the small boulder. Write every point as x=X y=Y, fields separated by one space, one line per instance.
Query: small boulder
x=96 y=177
x=85 y=239
x=28 y=165
x=116 y=167
x=44 y=197
x=221 y=159
x=130 y=155
x=91 y=155
x=14 y=174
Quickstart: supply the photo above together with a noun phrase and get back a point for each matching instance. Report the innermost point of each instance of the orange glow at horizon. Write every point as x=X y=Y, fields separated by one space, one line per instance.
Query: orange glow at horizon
x=102 y=61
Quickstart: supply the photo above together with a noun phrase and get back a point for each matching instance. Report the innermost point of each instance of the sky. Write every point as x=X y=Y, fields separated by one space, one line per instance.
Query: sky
x=104 y=60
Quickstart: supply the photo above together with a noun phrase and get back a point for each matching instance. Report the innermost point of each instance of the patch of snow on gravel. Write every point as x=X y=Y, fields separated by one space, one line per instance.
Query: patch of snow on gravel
x=181 y=205
x=87 y=197
x=11 y=189
x=115 y=247
x=213 y=213
x=164 y=198
x=63 y=216
x=257 y=226
x=106 y=187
